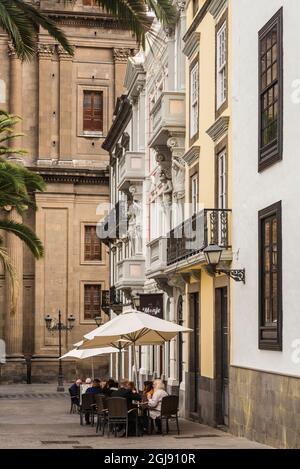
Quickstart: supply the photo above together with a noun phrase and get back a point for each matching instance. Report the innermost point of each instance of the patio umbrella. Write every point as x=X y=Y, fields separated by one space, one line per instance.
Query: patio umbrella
x=88 y=353
x=136 y=327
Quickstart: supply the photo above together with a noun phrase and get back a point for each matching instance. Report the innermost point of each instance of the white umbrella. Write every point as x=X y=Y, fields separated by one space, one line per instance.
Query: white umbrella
x=88 y=353
x=135 y=327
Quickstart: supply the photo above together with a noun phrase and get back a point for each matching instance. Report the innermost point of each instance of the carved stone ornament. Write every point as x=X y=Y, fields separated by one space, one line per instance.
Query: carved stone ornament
x=11 y=50
x=121 y=55
x=45 y=51
x=63 y=54
x=180 y=5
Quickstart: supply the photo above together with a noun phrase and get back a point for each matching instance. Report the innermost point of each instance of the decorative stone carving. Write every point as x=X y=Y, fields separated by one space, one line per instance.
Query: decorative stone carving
x=167 y=188
x=63 y=54
x=121 y=55
x=135 y=223
x=125 y=140
x=180 y=5
x=45 y=51
x=11 y=50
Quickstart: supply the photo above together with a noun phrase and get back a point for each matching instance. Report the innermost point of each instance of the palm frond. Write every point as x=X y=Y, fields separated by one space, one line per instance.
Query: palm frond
x=21 y=22
x=24 y=233
x=164 y=11
x=10 y=269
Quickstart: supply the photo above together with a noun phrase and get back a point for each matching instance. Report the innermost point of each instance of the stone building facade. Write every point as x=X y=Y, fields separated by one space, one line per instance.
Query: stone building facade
x=67 y=105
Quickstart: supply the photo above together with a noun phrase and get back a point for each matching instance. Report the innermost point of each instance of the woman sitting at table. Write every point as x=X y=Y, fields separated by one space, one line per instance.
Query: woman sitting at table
x=154 y=403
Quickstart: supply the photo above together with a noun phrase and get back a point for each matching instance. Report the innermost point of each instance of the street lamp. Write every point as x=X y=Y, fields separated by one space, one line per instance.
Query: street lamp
x=136 y=301
x=53 y=325
x=213 y=254
x=98 y=321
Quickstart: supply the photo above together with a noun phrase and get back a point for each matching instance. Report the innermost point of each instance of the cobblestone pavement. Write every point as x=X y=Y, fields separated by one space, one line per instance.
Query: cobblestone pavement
x=36 y=416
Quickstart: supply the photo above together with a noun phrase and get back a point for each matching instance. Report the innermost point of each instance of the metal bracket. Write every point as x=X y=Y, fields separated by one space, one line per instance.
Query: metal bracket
x=238 y=275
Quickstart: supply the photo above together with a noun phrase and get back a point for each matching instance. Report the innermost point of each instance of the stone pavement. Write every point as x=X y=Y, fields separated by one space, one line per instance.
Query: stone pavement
x=36 y=416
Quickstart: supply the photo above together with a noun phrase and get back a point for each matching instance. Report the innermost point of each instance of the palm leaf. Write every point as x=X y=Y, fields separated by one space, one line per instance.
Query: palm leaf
x=10 y=269
x=24 y=233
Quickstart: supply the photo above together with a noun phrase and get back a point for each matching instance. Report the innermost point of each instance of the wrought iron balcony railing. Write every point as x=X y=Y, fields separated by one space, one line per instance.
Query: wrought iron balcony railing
x=209 y=226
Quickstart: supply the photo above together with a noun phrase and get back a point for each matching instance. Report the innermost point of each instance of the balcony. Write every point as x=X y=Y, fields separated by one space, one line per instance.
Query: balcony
x=131 y=168
x=209 y=226
x=115 y=224
x=157 y=258
x=130 y=273
x=111 y=299
x=167 y=116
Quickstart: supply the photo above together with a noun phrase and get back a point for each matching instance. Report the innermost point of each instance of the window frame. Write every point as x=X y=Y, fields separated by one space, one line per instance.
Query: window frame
x=221 y=107
x=91 y=284
x=92 y=225
x=272 y=152
x=194 y=195
x=221 y=69
x=83 y=261
x=194 y=64
x=275 y=342
x=93 y=93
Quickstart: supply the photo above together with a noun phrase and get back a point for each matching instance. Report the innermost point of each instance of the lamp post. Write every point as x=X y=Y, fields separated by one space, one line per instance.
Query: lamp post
x=98 y=321
x=213 y=255
x=53 y=326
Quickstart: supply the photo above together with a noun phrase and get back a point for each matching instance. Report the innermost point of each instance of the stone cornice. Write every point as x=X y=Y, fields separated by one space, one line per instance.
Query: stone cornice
x=122 y=115
x=219 y=128
x=73 y=176
x=197 y=20
x=84 y=19
x=216 y=7
x=191 y=45
x=135 y=77
x=191 y=155
x=45 y=51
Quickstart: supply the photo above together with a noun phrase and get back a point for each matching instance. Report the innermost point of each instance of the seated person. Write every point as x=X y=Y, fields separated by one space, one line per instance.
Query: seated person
x=95 y=388
x=125 y=390
x=74 y=391
x=105 y=388
x=84 y=387
x=112 y=384
x=154 y=403
x=148 y=389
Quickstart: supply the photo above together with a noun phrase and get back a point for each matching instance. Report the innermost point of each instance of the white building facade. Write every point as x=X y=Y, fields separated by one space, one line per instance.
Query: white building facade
x=265 y=349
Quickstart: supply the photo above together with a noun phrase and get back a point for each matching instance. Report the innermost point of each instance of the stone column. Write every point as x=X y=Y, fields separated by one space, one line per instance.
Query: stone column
x=14 y=312
x=120 y=61
x=65 y=104
x=45 y=55
x=173 y=371
x=15 y=97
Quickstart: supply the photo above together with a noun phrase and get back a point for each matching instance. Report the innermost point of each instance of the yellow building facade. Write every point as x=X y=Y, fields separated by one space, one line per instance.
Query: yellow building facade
x=207 y=211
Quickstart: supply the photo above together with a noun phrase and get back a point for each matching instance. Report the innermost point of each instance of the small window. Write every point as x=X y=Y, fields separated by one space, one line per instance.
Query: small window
x=270 y=283
x=194 y=194
x=221 y=65
x=92 y=301
x=194 y=97
x=92 y=244
x=270 y=92
x=93 y=111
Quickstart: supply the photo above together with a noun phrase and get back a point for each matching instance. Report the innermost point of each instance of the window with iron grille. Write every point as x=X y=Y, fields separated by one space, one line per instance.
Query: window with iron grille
x=92 y=301
x=270 y=92
x=92 y=244
x=93 y=111
x=270 y=278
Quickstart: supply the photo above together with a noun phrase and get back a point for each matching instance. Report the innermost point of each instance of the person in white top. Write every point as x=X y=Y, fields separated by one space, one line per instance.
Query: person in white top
x=154 y=402
x=84 y=387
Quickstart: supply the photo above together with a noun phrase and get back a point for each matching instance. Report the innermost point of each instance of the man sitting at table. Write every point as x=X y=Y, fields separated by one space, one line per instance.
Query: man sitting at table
x=126 y=391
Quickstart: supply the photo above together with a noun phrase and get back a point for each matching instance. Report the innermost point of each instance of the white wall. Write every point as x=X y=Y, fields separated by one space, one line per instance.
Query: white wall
x=253 y=191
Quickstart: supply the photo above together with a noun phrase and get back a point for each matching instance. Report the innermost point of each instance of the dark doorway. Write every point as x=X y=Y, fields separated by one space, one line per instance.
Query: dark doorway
x=194 y=352
x=180 y=341
x=222 y=356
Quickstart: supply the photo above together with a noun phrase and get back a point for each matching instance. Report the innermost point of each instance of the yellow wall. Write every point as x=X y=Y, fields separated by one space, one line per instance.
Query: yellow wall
x=207 y=163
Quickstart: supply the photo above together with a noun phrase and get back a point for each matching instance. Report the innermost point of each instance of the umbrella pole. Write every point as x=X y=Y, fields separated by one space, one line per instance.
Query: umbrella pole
x=120 y=364
x=135 y=367
x=92 y=368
